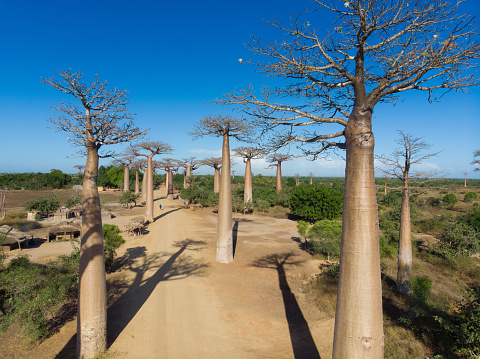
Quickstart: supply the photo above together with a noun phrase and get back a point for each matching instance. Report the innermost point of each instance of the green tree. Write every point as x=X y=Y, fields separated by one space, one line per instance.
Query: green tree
x=316 y=203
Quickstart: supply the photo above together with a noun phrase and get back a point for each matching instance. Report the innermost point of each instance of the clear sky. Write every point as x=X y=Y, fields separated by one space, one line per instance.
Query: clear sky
x=174 y=58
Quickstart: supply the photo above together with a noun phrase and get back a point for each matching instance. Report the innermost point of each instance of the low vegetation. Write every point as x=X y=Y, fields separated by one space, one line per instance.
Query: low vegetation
x=37 y=296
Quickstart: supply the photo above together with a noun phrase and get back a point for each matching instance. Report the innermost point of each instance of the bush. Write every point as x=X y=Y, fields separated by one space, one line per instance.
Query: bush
x=420 y=287
x=468 y=325
x=326 y=235
x=458 y=239
x=129 y=197
x=434 y=202
x=388 y=246
x=302 y=229
x=72 y=201
x=32 y=294
x=392 y=198
x=111 y=242
x=450 y=200
x=46 y=204
x=471 y=196
x=316 y=203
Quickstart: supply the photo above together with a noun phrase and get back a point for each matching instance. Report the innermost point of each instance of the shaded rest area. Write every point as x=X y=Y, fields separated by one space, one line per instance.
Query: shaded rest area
x=63 y=232
x=14 y=238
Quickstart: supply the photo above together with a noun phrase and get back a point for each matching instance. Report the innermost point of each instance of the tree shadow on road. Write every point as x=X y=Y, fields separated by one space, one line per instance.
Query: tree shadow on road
x=129 y=297
x=167 y=266
x=302 y=341
x=165 y=213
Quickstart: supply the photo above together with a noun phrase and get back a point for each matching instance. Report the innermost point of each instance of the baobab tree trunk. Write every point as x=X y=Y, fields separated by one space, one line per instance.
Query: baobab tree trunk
x=311 y=180
x=92 y=291
x=279 y=177
x=167 y=184
x=247 y=193
x=137 y=182
x=144 y=186
x=358 y=318
x=405 y=241
x=385 y=188
x=149 y=190
x=216 y=180
x=224 y=225
x=126 y=179
x=188 y=173
x=170 y=184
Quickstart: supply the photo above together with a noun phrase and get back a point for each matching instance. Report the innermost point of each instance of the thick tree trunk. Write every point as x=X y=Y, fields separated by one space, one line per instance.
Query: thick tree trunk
x=247 y=193
x=92 y=291
x=385 y=188
x=224 y=225
x=170 y=184
x=311 y=180
x=279 y=177
x=137 y=182
x=405 y=241
x=144 y=186
x=126 y=179
x=167 y=184
x=188 y=173
x=358 y=319
x=216 y=181
x=149 y=190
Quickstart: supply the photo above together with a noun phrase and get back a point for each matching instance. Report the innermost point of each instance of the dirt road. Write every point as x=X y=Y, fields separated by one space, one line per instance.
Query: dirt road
x=175 y=301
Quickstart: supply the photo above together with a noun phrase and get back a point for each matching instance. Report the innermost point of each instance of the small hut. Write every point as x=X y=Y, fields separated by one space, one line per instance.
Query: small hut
x=63 y=232
x=14 y=238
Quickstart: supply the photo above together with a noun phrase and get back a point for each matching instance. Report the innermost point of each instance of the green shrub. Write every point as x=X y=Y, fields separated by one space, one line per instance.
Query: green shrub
x=388 y=246
x=434 y=202
x=458 y=239
x=420 y=287
x=473 y=219
x=72 y=201
x=129 y=197
x=302 y=229
x=392 y=198
x=332 y=271
x=468 y=325
x=32 y=294
x=450 y=200
x=326 y=235
x=291 y=182
x=46 y=204
x=471 y=196
x=316 y=203
x=111 y=242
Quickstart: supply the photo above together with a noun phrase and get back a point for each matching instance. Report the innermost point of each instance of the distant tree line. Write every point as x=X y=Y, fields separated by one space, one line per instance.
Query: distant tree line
x=55 y=179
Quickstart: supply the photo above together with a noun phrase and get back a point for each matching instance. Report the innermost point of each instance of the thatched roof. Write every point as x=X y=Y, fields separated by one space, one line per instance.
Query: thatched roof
x=65 y=228
x=12 y=235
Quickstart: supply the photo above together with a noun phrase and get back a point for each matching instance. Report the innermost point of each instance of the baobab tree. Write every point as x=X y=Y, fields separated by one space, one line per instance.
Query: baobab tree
x=149 y=149
x=225 y=127
x=80 y=168
x=190 y=164
x=216 y=164
x=311 y=178
x=374 y=51
x=137 y=166
x=247 y=154
x=276 y=160
x=125 y=161
x=169 y=165
x=297 y=179
x=102 y=119
x=465 y=179
x=399 y=165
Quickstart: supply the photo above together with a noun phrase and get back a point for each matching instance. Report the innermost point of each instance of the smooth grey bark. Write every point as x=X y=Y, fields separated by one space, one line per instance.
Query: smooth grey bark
x=224 y=224
x=247 y=193
x=126 y=179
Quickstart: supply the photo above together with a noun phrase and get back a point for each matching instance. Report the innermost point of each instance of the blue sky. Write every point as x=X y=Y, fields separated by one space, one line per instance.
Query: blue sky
x=173 y=58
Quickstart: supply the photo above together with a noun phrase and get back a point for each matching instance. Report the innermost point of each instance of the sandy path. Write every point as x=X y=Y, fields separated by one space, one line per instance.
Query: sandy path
x=168 y=310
